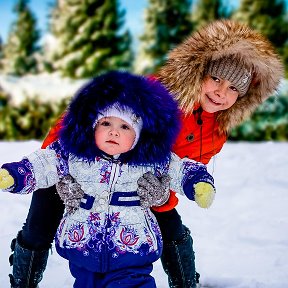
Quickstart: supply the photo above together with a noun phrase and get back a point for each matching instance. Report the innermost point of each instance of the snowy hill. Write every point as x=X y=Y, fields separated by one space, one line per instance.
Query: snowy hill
x=240 y=242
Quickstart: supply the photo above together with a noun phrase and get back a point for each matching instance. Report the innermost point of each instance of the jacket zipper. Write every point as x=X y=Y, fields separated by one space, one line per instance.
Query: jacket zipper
x=115 y=170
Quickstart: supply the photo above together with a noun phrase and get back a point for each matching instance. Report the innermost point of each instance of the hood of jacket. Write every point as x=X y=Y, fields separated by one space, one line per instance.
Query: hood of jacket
x=184 y=70
x=147 y=98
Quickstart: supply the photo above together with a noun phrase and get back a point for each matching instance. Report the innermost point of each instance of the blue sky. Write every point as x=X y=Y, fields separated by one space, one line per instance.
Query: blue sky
x=134 y=14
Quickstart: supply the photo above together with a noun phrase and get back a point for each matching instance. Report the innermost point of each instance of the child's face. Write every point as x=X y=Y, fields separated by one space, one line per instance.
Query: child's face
x=114 y=135
x=217 y=94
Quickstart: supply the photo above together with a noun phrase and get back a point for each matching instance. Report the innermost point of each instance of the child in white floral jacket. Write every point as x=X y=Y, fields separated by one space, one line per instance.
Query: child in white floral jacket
x=117 y=127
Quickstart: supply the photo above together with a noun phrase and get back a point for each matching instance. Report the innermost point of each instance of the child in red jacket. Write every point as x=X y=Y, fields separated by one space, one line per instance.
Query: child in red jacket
x=197 y=72
x=219 y=75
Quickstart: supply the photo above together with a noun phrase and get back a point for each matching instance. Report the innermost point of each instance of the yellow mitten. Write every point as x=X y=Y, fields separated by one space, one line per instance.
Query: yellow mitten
x=6 y=180
x=204 y=194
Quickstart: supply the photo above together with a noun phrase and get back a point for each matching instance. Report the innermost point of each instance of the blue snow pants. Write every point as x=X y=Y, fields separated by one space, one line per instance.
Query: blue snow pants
x=133 y=277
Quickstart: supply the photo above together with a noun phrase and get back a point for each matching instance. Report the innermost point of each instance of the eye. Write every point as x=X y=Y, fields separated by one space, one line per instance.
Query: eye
x=125 y=127
x=233 y=88
x=214 y=78
x=104 y=123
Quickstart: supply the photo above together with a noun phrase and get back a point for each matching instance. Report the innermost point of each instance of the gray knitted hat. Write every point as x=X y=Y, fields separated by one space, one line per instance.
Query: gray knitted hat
x=233 y=70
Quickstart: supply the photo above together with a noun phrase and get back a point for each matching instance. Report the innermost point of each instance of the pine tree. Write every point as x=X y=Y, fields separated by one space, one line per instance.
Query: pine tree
x=167 y=23
x=19 y=52
x=90 y=37
x=206 y=11
x=268 y=17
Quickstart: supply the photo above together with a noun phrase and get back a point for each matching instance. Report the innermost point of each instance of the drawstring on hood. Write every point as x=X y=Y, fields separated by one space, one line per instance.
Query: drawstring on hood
x=199 y=112
x=187 y=64
x=200 y=123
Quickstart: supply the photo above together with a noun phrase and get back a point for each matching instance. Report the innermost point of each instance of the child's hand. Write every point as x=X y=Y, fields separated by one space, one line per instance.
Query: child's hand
x=6 y=180
x=153 y=191
x=70 y=192
x=204 y=194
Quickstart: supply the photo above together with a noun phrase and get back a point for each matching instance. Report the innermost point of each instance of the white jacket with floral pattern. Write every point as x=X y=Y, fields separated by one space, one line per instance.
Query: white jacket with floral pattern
x=110 y=230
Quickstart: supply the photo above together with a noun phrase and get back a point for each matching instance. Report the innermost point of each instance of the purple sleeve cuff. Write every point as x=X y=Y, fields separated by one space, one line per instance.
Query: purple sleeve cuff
x=194 y=173
x=23 y=175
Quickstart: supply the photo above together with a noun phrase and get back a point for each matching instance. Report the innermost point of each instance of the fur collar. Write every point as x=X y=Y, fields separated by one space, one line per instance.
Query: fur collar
x=147 y=98
x=185 y=68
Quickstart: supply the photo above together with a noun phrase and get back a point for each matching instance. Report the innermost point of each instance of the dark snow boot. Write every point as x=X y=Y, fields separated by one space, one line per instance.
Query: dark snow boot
x=178 y=261
x=28 y=265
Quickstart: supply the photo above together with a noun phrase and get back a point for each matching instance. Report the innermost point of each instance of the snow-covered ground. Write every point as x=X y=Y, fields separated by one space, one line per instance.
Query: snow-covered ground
x=240 y=242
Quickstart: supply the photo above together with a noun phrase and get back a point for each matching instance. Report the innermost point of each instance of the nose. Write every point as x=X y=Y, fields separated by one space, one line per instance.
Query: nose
x=114 y=132
x=221 y=91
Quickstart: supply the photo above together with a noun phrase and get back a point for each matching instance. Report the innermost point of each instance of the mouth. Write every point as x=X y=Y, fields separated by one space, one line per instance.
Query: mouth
x=112 y=142
x=213 y=101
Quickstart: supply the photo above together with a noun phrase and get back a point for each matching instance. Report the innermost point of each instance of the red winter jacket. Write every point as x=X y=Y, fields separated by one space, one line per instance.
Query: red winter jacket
x=198 y=139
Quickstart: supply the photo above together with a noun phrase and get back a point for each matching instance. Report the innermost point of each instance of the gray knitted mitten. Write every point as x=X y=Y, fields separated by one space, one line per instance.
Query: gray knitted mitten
x=153 y=191
x=70 y=192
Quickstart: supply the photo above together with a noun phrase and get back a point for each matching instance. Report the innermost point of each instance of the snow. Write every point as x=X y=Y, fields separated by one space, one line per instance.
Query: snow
x=240 y=242
x=51 y=87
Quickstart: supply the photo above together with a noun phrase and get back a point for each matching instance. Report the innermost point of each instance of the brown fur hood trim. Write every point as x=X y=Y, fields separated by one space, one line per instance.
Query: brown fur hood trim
x=184 y=70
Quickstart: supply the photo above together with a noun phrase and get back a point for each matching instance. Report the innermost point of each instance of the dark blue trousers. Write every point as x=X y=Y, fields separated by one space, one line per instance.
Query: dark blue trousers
x=136 y=277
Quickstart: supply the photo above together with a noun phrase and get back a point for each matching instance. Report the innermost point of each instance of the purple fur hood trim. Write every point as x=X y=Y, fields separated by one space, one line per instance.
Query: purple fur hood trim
x=147 y=98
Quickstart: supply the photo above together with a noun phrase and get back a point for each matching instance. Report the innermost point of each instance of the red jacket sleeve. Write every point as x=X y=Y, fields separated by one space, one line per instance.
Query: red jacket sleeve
x=53 y=133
